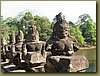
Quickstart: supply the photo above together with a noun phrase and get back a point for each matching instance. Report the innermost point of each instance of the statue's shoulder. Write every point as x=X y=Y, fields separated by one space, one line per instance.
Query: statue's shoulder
x=72 y=38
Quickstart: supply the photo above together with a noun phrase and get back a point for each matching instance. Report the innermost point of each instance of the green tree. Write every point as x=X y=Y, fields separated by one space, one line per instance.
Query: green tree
x=24 y=22
x=8 y=26
x=76 y=32
x=88 y=28
x=4 y=30
x=12 y=23
x=43 y=26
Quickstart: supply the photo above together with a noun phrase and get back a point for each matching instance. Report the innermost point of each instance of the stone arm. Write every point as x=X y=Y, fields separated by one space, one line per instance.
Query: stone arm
x=76 y=46
x=43 y=50
x=49 y=44
x=24 y=51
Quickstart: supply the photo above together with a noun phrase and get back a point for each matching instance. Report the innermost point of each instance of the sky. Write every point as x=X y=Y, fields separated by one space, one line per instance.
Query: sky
x=71 y=9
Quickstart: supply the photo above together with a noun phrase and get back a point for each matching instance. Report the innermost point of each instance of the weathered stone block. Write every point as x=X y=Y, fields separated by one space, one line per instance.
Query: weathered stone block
x=34 y=57
x=66 y=64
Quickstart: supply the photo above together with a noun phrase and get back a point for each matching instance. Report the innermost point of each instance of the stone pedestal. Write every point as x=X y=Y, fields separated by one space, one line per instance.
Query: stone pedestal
x=34 y=57
x=66 y=64
x=34 y=61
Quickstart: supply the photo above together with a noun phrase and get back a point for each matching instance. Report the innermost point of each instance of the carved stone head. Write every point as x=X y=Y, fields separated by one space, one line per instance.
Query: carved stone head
x=61 y=27
x=12 y=38
x=33 y=34
x=20 y=36
x=3 y=41
x=32 y=29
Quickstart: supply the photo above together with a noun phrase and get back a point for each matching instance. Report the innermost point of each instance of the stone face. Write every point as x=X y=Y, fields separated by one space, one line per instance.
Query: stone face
x=66 y=64
x=19 y=36
x=33 y=34
x=61 y=27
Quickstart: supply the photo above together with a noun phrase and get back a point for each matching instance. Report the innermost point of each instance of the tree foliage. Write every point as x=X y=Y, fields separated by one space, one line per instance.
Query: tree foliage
x=76 y=32
x=88 y=29
x=7 y=27
x=84 y=30
x=42 y=24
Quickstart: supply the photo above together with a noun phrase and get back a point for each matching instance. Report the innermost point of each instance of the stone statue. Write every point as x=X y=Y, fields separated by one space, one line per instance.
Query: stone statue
x=62 y=47
x=3 y=44
x=33 y=49
x=11 y=48
x=30 y=53
x=19 y=41
x=3 y=49
x=11 y=43
x=17 y=54
x=33 y=34
x=60 y=40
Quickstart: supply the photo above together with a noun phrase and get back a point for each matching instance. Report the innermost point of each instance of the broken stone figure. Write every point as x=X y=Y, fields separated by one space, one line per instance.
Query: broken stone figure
x=11 y=48
x=62 y=47
x=33 y=49
x=3 y=49
x=18 y=48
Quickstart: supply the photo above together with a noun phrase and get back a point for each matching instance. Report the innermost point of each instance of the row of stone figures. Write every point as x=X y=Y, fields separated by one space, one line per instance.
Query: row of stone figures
x=29 y=49
x=31 y=52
